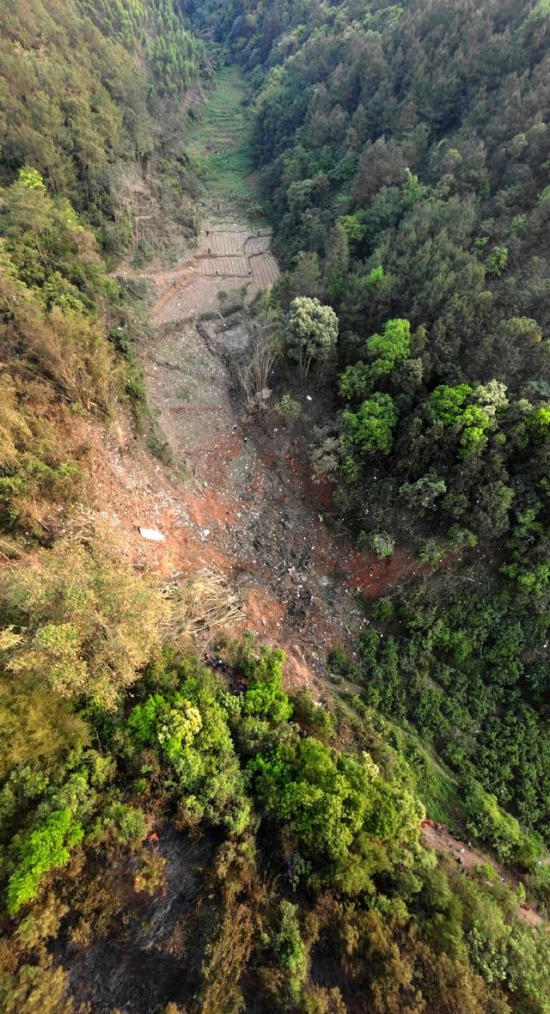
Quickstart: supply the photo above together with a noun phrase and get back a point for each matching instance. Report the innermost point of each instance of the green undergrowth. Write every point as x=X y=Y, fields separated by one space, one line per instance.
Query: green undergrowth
x=129 y=327
x=219 y=143
x=453 y=795
x=436 y=787
x=455 y=799
x=309 y=850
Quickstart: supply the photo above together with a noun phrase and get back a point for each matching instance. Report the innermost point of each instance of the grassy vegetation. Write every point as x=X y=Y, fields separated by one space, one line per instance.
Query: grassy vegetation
x=435 y=787
x=424 y=775
x=220 y=143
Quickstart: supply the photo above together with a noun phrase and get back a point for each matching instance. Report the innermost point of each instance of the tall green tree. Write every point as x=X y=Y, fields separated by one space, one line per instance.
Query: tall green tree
x=311 y=333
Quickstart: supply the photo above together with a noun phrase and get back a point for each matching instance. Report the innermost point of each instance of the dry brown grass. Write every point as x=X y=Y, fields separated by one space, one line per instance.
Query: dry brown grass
x=204 y=605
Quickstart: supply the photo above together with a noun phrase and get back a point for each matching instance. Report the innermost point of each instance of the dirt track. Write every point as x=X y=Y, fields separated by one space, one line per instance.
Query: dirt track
x=469 y=858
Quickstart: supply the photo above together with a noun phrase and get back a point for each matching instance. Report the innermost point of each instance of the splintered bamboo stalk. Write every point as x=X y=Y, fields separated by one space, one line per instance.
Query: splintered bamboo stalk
x=205 y=603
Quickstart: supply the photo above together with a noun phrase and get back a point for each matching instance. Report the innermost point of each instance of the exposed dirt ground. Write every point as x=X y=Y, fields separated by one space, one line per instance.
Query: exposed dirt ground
x=229 y=259
x=239 y=499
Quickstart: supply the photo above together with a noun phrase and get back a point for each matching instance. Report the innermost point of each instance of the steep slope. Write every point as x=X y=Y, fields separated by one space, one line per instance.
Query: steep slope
x=404 y=156
x=184 y=835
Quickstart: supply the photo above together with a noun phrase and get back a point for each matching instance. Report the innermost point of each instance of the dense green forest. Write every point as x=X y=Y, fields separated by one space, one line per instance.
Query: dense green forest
x=404 y=160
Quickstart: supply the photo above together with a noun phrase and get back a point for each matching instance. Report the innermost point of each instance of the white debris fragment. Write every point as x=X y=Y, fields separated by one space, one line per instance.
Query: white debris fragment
x=151 y=534
x=204 y=534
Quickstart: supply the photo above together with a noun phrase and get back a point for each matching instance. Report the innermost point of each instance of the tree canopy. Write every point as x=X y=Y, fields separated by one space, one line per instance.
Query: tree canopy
x=312 y=330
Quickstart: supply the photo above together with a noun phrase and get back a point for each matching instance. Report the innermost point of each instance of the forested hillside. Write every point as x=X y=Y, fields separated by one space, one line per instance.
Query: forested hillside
x=184 y=832
x=405 y=159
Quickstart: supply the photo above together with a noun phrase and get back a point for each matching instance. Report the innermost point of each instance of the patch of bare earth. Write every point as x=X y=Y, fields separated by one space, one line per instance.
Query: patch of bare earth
x=238 y=499
x=229 y=259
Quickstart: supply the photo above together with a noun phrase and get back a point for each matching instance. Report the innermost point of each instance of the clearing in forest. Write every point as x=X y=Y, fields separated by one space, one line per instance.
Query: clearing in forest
x=249 y=506
x=219 y=144
x=239 y=506
x=232 y=262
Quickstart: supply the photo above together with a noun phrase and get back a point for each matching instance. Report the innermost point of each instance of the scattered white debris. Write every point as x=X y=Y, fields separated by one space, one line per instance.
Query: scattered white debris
x=204 y=534
x=152 y=534
x=308 y=397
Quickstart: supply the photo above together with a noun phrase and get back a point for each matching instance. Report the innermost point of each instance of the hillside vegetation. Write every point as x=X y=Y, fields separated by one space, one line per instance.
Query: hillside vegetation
x=181 y=835
x=405 y=159
x=220 y=142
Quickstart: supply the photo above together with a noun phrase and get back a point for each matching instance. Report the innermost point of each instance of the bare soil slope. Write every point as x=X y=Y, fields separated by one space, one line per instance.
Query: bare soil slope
x=234 y=501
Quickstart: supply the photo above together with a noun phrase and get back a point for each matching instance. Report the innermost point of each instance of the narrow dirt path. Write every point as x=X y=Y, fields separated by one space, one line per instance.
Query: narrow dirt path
x=469 y=858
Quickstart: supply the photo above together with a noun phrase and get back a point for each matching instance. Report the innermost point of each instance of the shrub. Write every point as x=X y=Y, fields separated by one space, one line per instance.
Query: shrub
x=47 y=848
x=289 y=408
x=291 y=951
x=382 y=544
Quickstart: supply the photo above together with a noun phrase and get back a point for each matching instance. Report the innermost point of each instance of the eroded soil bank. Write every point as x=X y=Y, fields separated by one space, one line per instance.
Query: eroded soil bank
x=241 y=499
